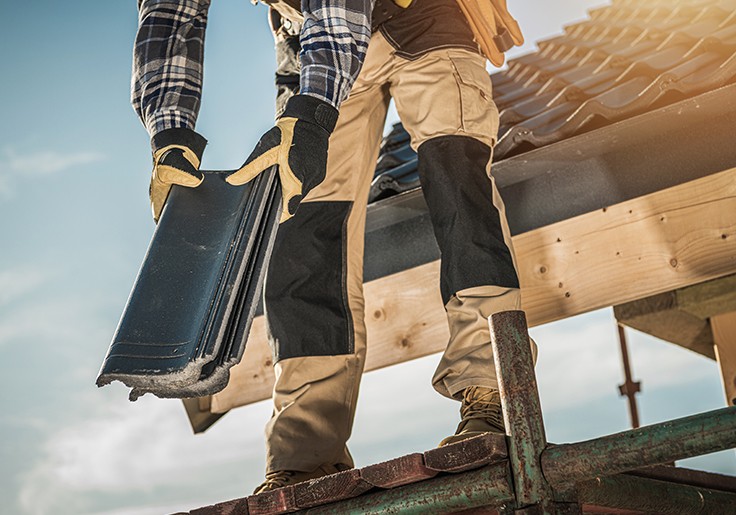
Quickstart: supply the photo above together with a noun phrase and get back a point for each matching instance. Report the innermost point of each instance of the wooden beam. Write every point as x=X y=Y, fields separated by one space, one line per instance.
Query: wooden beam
x=199 y=412
x=710 y=298
x=660 y=242
x=724 y=336
x=682 y=316
x=663 y=317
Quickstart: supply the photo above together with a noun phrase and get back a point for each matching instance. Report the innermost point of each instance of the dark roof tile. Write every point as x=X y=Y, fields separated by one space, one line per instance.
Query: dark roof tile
x=628 y=58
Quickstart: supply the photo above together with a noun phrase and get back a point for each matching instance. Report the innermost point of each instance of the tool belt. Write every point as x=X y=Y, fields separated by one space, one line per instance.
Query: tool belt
x=383 y=10
x=495 y=30
x=288 y=9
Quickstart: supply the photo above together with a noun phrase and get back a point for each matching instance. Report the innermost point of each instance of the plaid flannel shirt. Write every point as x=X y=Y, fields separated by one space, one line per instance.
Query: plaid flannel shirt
x=168 y=56
x=334 y=41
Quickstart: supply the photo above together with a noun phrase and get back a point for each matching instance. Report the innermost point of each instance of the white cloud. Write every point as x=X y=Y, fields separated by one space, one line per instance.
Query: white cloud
x=133 y=449
x=16 y=166
x=19 y=281
x=45 y=162
x=580 y=361
x=50 y=320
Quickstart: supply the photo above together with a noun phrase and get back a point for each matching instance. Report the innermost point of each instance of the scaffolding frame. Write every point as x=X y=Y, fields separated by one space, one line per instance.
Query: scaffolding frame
x=539 y=478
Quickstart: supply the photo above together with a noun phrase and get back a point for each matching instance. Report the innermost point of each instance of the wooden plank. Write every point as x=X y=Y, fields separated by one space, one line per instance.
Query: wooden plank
x=710 y=298
x=273 y=502
x=661 y=316
x=667 y=240
x=398 y=471
x=200 y=413
x=328 y=489
x=724 y=336
x=682 y=316
x=234 y=507
x=467 y=454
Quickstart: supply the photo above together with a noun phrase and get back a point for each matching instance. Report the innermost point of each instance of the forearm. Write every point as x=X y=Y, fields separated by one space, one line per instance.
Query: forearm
x=167 y=63
x=334 y=41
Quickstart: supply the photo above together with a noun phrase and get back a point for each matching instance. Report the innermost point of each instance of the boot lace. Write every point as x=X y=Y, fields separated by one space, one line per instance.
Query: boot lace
x=276 y=479
x=481 y=403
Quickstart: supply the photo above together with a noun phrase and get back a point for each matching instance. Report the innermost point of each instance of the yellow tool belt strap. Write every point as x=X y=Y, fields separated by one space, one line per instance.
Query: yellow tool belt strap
x=494 y=28
x=294 y=10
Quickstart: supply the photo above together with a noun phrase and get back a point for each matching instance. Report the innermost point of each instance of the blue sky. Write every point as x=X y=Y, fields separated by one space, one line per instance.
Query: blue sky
x=75 y=224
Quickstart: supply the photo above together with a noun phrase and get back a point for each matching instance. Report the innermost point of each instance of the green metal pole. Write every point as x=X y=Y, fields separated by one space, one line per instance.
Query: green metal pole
x=652 y=496
x=488 y=486
x=522 y=412
x=659 y=443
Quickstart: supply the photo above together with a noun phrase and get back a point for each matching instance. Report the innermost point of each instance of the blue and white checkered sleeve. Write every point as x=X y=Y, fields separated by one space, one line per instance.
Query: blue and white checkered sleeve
x=334 y=40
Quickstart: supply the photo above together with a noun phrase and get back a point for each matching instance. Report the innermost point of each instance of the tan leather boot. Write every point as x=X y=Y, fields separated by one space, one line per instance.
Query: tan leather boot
x=480 y=413
x=282 y=478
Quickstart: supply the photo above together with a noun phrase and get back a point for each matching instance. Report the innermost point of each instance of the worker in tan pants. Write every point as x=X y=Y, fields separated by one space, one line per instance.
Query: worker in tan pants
x=314 y=287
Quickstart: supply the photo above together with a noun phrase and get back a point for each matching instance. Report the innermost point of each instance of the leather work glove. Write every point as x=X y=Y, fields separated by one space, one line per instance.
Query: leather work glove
x=298 y=145
x=177 y=154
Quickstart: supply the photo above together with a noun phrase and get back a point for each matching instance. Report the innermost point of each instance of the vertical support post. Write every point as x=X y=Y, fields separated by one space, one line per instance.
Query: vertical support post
x=724 y=339
x=522 y=412
x=630 y=387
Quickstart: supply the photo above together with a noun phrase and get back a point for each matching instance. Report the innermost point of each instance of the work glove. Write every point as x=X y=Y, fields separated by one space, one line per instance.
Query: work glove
x=177 y=154
x=298 y=146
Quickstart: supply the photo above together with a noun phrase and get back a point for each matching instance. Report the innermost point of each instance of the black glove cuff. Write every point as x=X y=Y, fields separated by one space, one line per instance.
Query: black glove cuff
x=179 y=136
x=313 y=110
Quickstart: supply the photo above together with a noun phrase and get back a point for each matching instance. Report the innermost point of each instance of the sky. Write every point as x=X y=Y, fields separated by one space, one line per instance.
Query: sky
x=75 y=224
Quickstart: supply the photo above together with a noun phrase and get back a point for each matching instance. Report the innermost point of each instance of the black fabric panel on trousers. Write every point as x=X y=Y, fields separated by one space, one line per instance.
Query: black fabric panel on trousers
x=305 y=292
x=459 y=194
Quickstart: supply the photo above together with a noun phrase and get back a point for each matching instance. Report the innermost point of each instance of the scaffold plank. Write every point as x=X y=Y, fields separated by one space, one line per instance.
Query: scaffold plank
x=490 y=485
x=398 y=471
x=328 y=489
x=467 y=454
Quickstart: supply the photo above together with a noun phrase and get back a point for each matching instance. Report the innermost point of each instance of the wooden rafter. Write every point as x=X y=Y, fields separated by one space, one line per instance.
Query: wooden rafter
x=657 y=243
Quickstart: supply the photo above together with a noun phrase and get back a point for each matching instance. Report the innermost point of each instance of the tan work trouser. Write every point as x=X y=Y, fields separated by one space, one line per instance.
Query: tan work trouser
x=444 y=93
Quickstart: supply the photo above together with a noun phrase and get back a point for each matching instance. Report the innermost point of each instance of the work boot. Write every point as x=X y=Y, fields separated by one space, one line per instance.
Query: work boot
x=480 y=412
x=282 y=478
x=177 y=154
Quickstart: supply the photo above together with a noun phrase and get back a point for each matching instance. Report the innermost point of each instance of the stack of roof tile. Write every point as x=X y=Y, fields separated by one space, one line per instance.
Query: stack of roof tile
x=630 y=57
x=188 y=317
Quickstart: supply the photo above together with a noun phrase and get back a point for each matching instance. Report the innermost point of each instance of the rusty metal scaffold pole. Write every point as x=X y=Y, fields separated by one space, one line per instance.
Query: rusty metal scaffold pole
x=629 y=388
x=539 y=470
x=650 y=445
x=522 y=411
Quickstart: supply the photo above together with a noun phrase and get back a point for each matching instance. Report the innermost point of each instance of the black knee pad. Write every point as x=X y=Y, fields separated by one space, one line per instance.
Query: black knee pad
x=305 y=297
x=459 y=193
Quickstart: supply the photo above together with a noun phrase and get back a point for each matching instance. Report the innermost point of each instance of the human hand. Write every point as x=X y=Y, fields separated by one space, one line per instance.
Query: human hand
x=298 y=146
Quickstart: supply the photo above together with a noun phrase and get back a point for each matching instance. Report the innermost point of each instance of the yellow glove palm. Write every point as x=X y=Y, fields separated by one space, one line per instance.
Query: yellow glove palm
x=176 y=158
x=298 y=146
x=291 y=186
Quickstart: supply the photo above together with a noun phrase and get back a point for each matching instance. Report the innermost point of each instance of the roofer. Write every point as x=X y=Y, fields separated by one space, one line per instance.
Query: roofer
x=167 y=88
x=426 y=58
